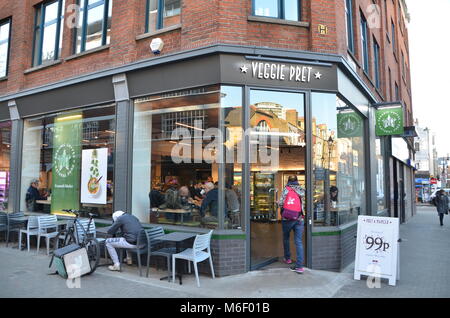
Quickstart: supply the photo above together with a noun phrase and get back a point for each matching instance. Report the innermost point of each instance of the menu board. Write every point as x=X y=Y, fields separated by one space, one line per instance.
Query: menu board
x=94 y=170
x=377 y=253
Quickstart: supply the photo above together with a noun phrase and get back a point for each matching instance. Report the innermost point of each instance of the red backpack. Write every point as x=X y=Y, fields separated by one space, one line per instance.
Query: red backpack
x=292 y=206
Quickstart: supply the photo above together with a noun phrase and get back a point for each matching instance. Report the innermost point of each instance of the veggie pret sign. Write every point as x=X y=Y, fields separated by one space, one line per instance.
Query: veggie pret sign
x=377 y=253
x=389 y=121
x=94 y=170
x=66 y=162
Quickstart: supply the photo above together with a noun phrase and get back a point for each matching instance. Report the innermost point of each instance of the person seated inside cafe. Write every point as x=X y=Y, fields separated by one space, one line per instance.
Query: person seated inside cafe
x=156 y=197
x=129 y=227
x=34 y=195
x=172 y=201
x=210 y=203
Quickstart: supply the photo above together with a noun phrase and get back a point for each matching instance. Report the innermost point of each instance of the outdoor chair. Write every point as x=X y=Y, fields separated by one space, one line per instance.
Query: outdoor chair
x=153 y=236
x=196 y=254
x=141 y=249
x=32 y=230
x=4 y=223
x=92 y=233
x=45 y=226
x=14 y=225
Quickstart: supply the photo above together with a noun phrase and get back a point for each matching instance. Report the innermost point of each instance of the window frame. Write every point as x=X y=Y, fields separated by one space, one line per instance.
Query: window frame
x=8 y=41
x=281 y=11
x=364 y=43
x=377 y=64
x=85 y=11
x=41 y=7
x=160 y=21
x=349 y=25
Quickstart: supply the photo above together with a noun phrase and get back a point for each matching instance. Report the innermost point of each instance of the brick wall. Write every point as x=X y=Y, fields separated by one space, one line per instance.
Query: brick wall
x=207 y=22
x=334 y=251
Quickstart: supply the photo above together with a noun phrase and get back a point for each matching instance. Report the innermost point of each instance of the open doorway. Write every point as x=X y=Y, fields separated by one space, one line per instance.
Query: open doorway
x=278 y=116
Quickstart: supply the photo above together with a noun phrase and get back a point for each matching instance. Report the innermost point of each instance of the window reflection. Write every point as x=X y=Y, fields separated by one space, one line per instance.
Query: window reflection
x=338 y=161
x=180 y=164
x=5 y=156
x=54 y=144
x=4 y=44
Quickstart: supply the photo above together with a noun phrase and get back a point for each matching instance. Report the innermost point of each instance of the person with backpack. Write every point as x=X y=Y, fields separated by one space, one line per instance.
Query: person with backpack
x=441 y=202
x=291 y=206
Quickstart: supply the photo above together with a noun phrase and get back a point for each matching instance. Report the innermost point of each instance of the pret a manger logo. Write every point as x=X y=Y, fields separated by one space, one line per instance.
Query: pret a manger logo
x=389 y=121
x=64 y=163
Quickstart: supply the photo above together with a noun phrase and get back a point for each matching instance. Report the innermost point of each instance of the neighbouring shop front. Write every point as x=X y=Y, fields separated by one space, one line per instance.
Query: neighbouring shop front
x=212 y=150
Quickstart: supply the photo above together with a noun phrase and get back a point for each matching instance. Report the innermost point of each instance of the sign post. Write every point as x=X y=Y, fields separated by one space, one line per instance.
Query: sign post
x=377 y=248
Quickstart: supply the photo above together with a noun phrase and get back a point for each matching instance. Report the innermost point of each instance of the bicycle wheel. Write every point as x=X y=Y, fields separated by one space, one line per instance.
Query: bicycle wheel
x=93 y=252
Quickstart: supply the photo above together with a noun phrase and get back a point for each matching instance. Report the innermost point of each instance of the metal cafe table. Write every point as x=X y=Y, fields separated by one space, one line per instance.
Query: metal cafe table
x=178 y=238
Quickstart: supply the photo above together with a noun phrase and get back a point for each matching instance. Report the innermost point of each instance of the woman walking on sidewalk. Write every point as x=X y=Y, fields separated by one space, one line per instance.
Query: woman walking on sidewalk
x=441 y=202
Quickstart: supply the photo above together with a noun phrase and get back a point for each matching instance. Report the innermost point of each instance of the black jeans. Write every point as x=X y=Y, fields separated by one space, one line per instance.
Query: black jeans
x=441 y=218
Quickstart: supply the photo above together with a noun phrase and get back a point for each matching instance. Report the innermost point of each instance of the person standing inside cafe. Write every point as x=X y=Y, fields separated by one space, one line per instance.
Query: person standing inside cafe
x=129 y=227
x=291 y=205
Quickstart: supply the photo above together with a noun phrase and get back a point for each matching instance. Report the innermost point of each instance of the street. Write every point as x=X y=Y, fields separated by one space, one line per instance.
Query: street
x=425 y=259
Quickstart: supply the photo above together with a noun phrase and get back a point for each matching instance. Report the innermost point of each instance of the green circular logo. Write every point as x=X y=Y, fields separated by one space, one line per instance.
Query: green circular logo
x=349 y=124
x=390 y=122
x=64 y=160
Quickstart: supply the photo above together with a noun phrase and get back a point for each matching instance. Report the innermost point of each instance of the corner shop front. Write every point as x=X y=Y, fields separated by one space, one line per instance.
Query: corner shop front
x=304 y=108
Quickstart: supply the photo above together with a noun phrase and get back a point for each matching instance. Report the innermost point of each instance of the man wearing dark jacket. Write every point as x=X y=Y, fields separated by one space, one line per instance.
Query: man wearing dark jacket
x=130 y=227
x=441 y=200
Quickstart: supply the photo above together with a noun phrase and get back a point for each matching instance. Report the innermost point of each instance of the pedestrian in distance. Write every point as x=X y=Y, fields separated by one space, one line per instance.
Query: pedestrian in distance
x=292 y=220
x=441 y=202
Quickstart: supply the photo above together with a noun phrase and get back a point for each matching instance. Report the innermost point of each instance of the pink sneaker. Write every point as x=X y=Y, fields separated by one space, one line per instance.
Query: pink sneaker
x=287 y=261
x=299 y=270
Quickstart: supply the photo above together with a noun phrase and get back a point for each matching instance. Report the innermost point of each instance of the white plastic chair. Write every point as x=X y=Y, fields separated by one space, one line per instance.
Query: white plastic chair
x=92 y=232
x=196 y=254
x=32 y=230
x=46 y=223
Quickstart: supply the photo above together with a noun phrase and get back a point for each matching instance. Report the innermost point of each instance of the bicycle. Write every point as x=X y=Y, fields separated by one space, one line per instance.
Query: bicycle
x=85 y=239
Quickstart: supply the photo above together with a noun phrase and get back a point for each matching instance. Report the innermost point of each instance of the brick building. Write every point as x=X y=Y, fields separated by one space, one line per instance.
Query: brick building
x=78 y=75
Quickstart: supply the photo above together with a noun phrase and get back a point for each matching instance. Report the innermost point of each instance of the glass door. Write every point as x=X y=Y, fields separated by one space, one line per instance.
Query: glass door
x=277 y=151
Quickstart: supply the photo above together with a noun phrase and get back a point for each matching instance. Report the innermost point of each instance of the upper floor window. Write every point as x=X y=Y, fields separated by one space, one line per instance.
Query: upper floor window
x=5 y=35
x=349 y=22
x=376 y=59
x=94 y=24
x=403 y=65
x=279 y=9
x=162 y=14
x=48 y=30
x=364 y=44
x=397 y=92
x=393 y=35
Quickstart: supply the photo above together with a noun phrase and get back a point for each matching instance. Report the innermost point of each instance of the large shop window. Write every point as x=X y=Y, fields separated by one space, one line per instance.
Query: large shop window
x=162 y=14
x=5 y=34
x=339 y=193
x=187 y=160
x=280 y=9
x=94 y=24
x=48 y=30
x=67 y=161
x=5 y=156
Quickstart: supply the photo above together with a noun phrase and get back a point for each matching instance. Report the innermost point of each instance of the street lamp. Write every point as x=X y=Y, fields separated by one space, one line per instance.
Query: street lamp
x=330 y=143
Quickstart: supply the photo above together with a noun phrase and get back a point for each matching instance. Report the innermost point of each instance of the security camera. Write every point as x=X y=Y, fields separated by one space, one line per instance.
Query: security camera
x=156 y=46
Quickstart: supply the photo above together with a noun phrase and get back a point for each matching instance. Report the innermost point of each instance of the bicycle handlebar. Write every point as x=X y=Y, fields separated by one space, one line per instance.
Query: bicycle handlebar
x=78 y=212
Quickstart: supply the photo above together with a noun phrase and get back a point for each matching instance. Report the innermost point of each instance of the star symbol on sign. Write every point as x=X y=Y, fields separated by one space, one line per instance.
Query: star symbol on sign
x=244 y=69
x=318 y=75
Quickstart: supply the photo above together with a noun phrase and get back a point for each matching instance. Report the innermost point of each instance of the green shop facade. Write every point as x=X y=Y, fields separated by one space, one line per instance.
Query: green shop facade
x=244 y=118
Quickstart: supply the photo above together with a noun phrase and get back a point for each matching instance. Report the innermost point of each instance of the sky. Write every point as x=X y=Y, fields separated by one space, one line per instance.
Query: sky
x=429 y=47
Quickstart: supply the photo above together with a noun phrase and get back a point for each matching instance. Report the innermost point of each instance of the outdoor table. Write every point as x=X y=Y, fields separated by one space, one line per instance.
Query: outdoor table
x=176 y=237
